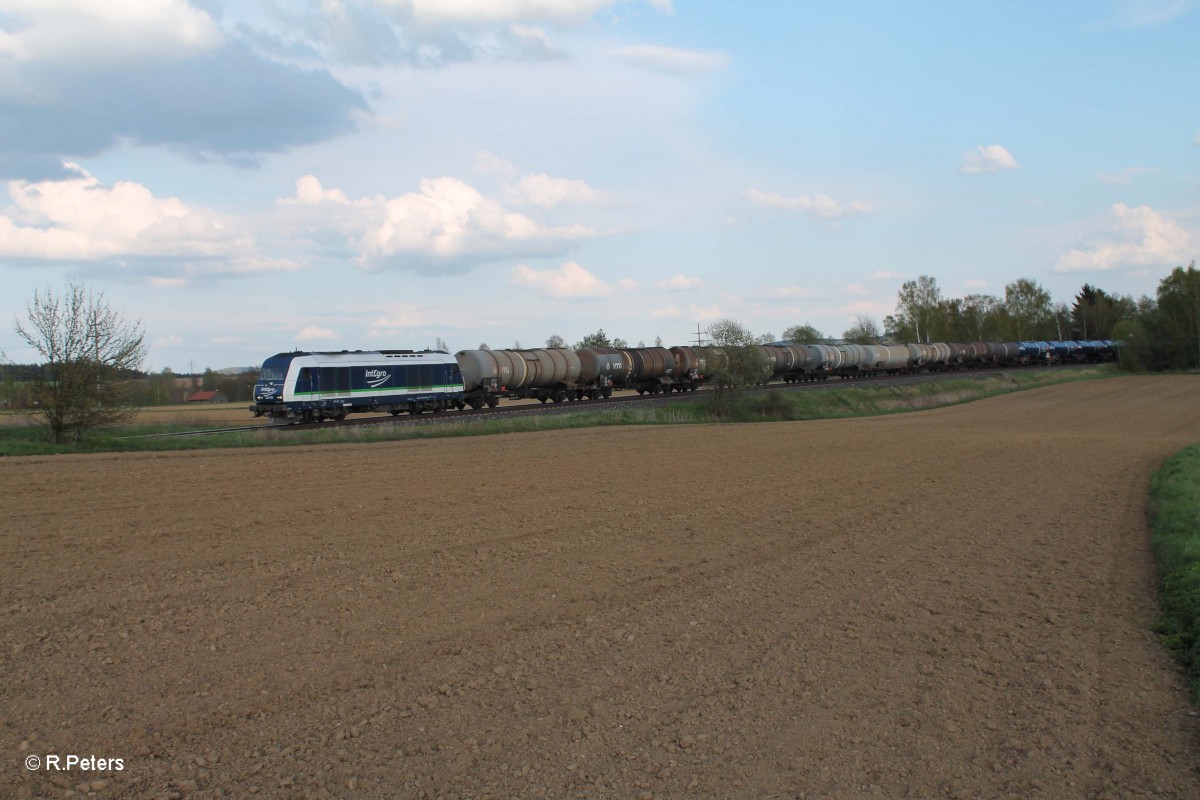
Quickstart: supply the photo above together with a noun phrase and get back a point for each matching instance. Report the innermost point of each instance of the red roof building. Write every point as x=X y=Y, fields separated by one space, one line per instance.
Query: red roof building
x=206 y=397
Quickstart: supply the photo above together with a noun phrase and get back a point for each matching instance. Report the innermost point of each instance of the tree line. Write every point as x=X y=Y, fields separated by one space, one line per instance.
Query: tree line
x=1159 y=333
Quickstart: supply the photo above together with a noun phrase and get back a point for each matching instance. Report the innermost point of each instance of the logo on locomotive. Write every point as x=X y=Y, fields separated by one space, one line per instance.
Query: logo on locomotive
x=376 y=377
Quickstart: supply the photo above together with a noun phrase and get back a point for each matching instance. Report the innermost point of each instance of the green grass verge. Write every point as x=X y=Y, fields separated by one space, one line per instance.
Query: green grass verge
x=1174 y=511
x=850 y=400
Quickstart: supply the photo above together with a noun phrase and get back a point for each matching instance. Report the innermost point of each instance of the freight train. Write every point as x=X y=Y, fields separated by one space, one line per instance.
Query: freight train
x=315 y=386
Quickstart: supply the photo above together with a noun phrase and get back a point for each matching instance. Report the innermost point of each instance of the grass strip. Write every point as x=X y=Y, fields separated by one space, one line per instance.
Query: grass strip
x=1174 y=512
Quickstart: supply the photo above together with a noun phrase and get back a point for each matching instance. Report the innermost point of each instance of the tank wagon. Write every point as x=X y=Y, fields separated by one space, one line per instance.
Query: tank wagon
x=544 y=374
x=311 y=387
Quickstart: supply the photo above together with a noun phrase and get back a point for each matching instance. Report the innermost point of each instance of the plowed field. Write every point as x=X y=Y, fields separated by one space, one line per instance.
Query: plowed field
x=951 y=603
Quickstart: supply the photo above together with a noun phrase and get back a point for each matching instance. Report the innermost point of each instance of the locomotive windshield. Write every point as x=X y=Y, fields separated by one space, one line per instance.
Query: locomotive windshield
x=274 y=369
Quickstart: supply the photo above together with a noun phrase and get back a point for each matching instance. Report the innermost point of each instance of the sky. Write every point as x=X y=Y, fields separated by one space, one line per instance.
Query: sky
x=247 y=177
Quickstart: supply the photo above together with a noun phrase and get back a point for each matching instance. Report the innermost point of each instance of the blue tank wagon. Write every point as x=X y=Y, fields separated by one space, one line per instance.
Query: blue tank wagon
x=311 y=387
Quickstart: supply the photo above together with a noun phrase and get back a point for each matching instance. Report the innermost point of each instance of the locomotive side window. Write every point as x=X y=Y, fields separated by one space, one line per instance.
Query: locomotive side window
x=426 y=376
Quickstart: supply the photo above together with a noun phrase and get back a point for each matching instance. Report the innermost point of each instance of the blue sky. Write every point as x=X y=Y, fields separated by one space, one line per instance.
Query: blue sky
x=259 y=176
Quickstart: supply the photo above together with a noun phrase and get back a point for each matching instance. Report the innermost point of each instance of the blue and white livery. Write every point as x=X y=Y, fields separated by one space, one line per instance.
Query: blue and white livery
x=310 y=387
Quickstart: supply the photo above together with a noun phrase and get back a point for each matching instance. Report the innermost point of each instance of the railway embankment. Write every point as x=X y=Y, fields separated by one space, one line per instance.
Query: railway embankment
x=778 y=402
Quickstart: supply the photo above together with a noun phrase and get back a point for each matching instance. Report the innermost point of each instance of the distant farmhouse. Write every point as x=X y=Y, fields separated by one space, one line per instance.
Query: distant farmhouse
x=206 y=397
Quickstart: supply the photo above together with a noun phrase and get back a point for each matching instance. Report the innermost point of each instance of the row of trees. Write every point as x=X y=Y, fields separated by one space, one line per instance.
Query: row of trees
x=18 y=381
x=1160 y=333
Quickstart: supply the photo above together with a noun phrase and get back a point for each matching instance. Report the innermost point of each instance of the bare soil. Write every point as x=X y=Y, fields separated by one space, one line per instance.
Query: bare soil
x=949 y=603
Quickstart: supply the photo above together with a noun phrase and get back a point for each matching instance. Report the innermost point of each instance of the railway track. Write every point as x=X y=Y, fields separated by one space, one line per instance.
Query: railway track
x=525 y=409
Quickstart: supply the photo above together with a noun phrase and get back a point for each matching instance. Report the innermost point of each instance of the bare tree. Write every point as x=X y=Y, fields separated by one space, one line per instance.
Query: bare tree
x=555 y=341
x=90 y=354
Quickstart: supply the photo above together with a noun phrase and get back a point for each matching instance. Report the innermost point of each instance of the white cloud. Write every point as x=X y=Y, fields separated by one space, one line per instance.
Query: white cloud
x=818 y=205
x=570 y=281
x=1143 y=237
x=1126 y=175
x=159 y=282
x=447 y=226
x=491 y=164
x=868 y=308
x=531 y=43
x=449 y=222
x=314 y=333
x=167 y=341
x=483 y=13
x=706 y=313
x=671 y=60
x=1149 y=13
x=975 y=283
x=402 y=318
x=112 y=32
x=545 y=191
x=987 y=158
x=694 y=313
x=81 y=220
x=310 y=192
x=679 y=281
